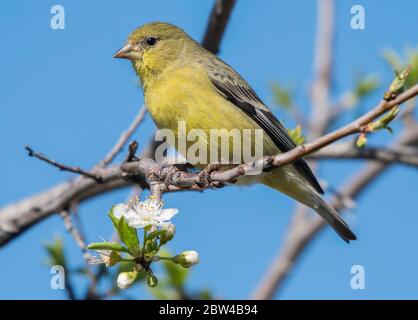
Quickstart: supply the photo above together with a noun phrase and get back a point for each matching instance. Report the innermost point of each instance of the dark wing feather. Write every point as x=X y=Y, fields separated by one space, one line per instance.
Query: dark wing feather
x=239 y=93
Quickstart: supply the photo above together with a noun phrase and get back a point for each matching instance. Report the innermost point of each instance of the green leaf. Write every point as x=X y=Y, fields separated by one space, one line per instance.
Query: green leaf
x=128 y=236
x=114 y=246
x=55 y=252
x=397 y=63
x=115 y=220
x=384 y=121
x=296 y=135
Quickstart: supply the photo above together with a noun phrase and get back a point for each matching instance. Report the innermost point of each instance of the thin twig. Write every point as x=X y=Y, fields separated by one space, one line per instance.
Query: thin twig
x=406 y=156
x=123 y=139
x=63 y=167
x=69 y=226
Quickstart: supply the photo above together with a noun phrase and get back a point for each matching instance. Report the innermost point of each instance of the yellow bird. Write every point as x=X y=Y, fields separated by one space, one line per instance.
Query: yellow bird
x=183 y=82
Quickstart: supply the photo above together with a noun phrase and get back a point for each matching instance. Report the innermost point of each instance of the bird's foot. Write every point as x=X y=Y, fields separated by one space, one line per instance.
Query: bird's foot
x=205 y=179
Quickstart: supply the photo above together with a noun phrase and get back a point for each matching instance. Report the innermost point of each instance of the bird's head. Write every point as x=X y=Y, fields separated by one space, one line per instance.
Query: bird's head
x=154 y=46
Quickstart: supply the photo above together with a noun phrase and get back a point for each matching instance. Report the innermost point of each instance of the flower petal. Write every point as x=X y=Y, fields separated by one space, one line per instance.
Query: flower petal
x=120 y=210
x=138 y=223
x=131 y=215
x=167 y=214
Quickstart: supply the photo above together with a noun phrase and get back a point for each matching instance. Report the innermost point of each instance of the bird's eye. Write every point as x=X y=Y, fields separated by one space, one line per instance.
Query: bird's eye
x=151 y=41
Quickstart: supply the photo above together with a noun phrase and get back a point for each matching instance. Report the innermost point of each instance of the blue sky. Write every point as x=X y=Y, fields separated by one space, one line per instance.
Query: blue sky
x=62 y=93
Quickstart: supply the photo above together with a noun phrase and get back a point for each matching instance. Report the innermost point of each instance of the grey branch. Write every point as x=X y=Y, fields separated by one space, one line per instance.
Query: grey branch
x=61 y=166
x=396 y=154
x=73 y=230
x=322 y=68
x=218 y=20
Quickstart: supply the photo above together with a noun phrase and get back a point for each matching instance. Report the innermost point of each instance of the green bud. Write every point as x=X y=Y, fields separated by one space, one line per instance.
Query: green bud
x=397 y=85
x=383 y=122
x=361 y=141
x=152 y=280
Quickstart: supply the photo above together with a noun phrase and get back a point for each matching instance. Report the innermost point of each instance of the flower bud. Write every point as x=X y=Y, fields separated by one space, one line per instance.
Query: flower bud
x=187 y=258
x=361 y=141
x=170 y=231
x=126 y=279
x=152 y=281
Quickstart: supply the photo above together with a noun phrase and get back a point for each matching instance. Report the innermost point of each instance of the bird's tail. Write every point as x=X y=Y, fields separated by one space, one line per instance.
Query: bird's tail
x=330 y=215
x=302 y=192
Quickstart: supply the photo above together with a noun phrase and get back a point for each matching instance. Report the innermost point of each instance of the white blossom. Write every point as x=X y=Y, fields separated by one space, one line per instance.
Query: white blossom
x=140 y=214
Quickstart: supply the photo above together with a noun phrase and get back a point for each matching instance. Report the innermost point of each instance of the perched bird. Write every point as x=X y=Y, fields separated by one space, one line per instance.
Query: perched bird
x=182 y=81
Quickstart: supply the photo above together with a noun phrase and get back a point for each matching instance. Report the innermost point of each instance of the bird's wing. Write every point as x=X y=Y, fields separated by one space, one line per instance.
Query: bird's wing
x=237 y=91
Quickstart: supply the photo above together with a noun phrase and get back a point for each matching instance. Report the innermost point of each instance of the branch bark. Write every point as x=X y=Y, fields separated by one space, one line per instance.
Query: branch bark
x=322 y=68
x=396 y=154
x=218 y=20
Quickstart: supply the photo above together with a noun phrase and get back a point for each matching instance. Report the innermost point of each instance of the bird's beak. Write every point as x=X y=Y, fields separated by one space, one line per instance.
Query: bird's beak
x=125 y=52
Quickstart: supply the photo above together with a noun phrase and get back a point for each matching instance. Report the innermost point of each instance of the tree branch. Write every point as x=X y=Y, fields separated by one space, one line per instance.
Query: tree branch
x=63 y=167
x=322 y=68
x=218 y=20
x=406 y=156
x=72 y=230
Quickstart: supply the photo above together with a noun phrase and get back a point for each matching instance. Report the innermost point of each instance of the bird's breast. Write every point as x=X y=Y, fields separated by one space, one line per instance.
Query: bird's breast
x=185 y=98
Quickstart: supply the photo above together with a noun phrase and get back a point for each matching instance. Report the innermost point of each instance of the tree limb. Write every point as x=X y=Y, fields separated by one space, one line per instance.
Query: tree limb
x=406 y=156
x=322 y=68
x=61 y=166
x=218 y=20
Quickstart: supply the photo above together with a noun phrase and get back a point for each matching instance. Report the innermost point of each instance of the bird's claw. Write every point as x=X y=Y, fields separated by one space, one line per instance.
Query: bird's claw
x=205 y=179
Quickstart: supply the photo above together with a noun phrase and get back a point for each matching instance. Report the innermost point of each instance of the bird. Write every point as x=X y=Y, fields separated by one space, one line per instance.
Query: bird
x=182 y=81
